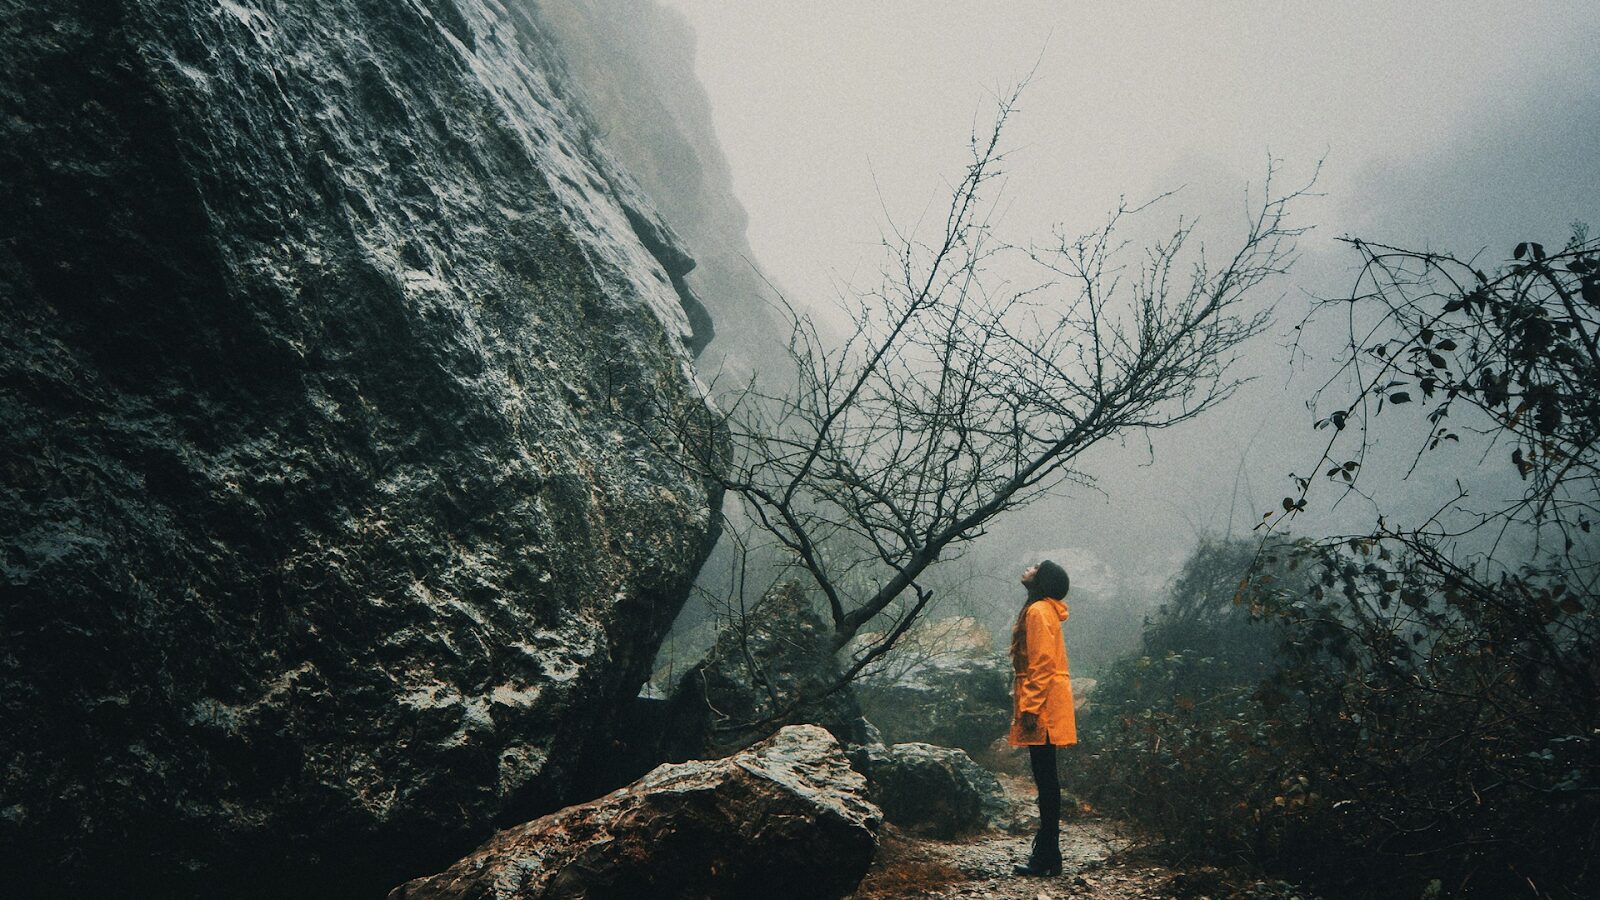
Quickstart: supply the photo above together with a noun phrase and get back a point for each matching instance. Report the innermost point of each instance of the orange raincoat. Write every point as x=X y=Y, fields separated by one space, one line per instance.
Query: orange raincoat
x=1043 y=686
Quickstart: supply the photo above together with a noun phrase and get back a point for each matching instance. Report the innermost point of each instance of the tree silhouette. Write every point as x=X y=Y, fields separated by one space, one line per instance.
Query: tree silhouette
x=977 y=374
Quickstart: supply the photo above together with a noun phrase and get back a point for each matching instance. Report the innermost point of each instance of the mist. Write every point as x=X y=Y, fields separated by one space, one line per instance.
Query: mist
x=672 y=448
x=1467 y=127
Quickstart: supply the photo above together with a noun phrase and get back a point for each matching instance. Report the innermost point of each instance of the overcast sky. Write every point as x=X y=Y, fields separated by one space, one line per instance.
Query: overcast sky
x=1457 y=125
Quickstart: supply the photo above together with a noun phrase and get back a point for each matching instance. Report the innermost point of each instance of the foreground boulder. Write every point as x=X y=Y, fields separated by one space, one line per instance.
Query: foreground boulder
x=333 y=531
x=785 y=818
x=937 y=792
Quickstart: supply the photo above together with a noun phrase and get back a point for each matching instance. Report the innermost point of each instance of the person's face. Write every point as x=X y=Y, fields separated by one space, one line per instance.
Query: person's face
x=1028 y=575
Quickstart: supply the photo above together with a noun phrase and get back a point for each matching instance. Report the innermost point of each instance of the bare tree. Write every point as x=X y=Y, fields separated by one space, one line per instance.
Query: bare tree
x=977 y=375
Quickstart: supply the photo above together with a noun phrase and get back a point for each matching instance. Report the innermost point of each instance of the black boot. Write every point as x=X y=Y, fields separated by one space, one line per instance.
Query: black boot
x=1045 y=858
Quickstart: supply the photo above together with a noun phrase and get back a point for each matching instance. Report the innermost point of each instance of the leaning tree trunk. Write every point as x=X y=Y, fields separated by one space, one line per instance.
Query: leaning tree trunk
x=753 y=681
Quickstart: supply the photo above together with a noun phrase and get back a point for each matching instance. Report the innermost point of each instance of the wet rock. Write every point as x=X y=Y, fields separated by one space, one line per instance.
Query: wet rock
x=937 y=792
x=786 y=818
x=331 y=533
x=948 y=701
x=747 y=686
x=1083 y=696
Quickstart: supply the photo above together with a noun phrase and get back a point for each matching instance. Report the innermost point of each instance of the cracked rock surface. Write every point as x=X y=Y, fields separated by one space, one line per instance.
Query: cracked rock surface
x=330 y=540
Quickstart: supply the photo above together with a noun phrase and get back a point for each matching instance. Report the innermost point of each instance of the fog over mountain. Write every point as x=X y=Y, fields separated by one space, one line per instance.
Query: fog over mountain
x=375 y=458
x=1465 y=127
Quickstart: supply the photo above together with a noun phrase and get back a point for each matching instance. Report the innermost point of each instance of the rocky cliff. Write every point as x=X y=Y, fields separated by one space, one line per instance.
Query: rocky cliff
x=330 y=536
x=633 y=63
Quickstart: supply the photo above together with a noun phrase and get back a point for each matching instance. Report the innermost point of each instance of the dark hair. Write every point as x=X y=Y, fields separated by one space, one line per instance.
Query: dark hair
x=1051 y=580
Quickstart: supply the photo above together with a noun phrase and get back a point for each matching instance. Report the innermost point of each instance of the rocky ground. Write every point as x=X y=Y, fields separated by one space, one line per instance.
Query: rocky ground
x=1101 y=859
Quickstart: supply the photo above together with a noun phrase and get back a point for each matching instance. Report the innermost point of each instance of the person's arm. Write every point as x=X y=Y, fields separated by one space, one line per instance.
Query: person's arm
x=1035 y=678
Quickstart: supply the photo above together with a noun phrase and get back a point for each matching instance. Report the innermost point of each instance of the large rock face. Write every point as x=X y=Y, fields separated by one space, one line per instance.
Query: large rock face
x=634 y=61
x=786 y=818
x=329 y=540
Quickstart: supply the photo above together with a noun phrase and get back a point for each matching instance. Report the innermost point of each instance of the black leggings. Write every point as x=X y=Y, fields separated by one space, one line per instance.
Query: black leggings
x=1048 y=780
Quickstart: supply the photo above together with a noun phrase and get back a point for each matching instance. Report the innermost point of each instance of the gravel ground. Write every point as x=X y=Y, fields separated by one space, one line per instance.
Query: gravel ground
x=1099 y=860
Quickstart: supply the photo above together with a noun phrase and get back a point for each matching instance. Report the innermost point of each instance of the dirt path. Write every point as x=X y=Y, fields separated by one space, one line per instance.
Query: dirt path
x=1099 y=860
x=981 y=867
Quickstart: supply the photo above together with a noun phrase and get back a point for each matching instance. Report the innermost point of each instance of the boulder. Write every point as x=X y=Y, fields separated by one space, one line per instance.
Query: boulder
x=748 y=684
x=1083 y=696
x=936 y=792
x=786 y=818
x=948 y=701
x=334 y=530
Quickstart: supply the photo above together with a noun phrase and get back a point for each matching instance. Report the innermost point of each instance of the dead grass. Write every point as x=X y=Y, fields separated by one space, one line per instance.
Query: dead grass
x=903 y=867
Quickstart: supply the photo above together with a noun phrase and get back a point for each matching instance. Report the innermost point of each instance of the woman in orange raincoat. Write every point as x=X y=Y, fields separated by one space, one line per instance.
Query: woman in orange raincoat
x=1042 y=717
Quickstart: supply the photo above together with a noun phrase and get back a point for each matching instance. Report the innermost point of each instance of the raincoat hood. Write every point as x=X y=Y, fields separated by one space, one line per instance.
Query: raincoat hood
x=1056 y=606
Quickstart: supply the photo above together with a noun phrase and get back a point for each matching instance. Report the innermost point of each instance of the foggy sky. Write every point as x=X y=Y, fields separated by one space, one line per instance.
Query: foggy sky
x=1452 y=125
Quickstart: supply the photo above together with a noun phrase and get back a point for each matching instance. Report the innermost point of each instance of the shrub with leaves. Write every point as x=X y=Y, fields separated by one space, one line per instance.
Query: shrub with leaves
x=1447 y=749
x=1426 y=720
x=1184 y=739
x=1466 y=695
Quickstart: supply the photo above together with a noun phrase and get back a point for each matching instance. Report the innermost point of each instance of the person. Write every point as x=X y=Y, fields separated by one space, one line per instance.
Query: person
x=1042 y=717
